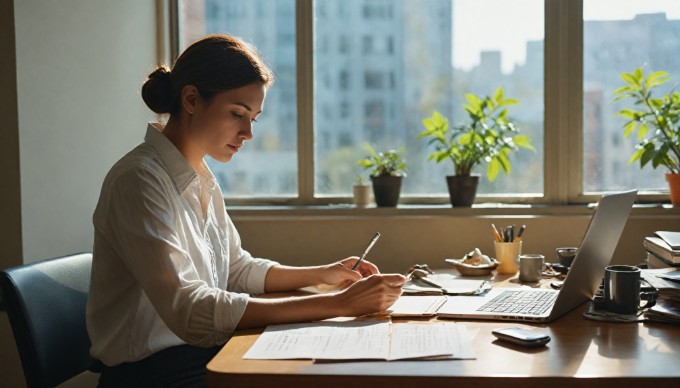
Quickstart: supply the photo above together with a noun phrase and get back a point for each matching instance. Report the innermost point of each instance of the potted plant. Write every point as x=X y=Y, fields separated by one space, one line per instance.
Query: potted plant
x=657 y=124
x=362 y=192
x=387 y=169
x=489 y=137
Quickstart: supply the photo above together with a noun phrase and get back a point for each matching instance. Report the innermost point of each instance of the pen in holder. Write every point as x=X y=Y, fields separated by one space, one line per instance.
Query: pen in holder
x=506 y=254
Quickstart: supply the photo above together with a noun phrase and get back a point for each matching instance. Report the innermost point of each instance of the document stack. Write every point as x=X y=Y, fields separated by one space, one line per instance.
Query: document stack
x=663 y=250
x=667 y=283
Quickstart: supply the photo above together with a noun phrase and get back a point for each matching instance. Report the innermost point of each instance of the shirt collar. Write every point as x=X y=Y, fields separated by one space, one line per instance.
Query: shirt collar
x=179 y=168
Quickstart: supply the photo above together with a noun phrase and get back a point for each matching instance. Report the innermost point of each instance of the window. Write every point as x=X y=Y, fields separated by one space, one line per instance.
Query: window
x=269 y=168
x=620 y=36
x=373 y=69
x=467 y=46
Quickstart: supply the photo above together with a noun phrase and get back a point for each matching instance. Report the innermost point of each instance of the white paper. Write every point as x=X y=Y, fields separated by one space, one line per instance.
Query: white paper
x=421 y=305
x=336 y=340
x=362 y=340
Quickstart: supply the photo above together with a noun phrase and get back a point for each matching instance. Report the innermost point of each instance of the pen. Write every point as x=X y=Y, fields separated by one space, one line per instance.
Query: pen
x=519 y=234
x=368 y=248
x=496 y=236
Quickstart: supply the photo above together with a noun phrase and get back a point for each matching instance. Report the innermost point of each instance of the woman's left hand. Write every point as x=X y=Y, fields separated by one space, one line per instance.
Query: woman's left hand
x=341 y=273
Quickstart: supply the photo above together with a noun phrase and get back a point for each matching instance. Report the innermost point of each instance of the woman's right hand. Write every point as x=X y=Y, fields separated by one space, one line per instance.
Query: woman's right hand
x=370 y=295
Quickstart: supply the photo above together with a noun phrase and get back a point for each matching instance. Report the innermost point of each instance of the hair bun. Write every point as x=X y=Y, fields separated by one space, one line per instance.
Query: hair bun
x=157 y=90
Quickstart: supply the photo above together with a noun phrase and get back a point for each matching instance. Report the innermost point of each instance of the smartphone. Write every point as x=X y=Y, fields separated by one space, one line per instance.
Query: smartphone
x=522 y=337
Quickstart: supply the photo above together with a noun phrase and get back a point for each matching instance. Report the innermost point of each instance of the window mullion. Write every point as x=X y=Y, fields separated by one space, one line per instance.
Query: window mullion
x=305 y=98
x=563 y=100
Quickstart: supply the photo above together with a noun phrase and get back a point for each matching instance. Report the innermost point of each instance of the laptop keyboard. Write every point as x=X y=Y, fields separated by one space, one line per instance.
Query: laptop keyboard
x=529 y=302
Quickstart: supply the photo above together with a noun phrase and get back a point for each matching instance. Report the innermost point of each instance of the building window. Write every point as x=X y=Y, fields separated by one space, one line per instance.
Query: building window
x=373 y=80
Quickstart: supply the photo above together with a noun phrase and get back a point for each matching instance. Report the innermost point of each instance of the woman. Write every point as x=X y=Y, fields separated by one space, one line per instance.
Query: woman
x=170 y=280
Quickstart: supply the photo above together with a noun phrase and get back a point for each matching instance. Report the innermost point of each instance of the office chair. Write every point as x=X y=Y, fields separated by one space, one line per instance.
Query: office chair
x=45 y=302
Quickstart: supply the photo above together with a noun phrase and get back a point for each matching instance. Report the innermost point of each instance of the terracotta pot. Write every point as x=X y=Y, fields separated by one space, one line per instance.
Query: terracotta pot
x=674 y=186
x=462 y=189
x=386 y=190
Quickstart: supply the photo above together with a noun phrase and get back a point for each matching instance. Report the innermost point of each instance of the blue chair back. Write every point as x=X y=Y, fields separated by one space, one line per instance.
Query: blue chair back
x=45 y=302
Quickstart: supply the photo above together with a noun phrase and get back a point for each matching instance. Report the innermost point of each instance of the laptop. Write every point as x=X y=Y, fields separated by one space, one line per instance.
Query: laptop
x=583 y=278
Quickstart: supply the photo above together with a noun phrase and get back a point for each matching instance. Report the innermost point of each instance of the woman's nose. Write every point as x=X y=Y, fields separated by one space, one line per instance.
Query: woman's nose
x=247 y=131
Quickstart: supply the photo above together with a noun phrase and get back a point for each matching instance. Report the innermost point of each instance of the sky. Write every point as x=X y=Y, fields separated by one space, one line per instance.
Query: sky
x=514 y=22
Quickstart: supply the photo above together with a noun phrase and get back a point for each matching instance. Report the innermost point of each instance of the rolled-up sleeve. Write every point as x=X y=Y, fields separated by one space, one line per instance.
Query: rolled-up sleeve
x=247 y=274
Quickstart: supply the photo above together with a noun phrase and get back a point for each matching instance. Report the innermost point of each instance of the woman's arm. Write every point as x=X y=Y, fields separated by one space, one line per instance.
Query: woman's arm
x=284 y=278
x=372 y=294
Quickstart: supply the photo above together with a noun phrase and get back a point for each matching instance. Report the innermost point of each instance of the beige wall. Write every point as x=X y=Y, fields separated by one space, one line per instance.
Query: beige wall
x=427 y=239
x=69 y=111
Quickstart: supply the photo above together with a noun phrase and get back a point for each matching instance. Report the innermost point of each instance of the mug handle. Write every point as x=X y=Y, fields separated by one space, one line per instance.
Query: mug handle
x=649 y=297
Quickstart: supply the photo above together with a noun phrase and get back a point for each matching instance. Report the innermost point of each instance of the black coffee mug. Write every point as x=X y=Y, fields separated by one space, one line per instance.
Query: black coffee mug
x=622 y=289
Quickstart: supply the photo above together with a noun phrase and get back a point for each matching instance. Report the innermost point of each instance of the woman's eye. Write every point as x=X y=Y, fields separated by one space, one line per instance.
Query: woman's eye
x=253 y=121
x=236 y=116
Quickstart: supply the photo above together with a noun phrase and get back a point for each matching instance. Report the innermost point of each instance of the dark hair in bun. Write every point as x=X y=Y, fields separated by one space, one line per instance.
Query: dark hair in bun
x=213 y=64
x=157 y=90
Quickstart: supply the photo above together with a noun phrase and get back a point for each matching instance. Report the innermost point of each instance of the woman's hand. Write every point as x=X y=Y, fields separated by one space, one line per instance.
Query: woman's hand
x=341 y=273
x=372 y=294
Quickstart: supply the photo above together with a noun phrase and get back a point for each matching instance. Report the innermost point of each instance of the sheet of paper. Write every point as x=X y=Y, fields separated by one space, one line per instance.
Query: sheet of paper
x=421 y=305
x=419 y=340
x=362 y=340
x=327 y=340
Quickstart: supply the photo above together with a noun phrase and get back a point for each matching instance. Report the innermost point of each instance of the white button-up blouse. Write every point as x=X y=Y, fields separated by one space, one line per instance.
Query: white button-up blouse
x=168 y=266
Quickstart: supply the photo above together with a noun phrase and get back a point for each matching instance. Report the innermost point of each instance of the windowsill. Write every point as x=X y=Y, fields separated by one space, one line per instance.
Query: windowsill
x=477 y=210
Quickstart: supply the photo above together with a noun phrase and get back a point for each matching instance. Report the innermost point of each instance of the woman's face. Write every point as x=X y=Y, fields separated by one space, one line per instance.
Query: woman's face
x=224 y=123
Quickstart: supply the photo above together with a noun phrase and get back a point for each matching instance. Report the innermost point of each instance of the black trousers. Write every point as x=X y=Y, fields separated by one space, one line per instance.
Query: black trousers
x=179 y=366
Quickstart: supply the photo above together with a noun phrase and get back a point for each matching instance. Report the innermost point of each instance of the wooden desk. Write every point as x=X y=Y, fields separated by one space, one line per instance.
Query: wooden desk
x=582 y=352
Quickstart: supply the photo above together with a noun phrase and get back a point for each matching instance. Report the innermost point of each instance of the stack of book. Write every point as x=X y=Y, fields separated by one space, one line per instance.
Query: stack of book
x=663 y=250
x=666 y=281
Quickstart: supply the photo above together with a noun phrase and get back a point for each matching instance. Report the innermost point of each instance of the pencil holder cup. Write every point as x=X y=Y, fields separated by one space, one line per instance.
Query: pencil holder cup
x=506 y=254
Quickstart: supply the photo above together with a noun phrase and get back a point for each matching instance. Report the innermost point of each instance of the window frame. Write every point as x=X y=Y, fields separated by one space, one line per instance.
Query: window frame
x=563 y=115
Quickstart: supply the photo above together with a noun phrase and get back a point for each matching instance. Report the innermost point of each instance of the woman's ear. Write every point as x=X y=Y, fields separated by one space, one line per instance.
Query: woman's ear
x=189 y=98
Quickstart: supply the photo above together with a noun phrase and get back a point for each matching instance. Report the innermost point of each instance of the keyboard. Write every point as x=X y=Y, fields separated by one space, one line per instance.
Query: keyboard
x=530 y=302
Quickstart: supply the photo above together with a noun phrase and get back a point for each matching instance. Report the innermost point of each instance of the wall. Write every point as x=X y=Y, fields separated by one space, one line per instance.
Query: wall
x=79 y=68
x=409 y=239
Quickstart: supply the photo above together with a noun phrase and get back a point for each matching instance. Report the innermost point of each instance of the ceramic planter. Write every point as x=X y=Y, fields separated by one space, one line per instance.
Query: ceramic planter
x=462 y=189
x=386 y=190
x=362 y=195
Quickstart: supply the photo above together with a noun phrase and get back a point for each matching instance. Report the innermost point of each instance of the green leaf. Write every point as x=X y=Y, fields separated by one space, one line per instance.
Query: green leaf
x=655 y=79
x=623 y=89
x=636 y=155
x=648 y=154
x=629 y=114
x=370 y=150
x=638 y=75
x=441 y=155
x=493 y=169
x=498 y=96
x=642 y=132
x=523 y=141
x=629 y=78
x=438 y=118
x=429 y=124
x=474 y=102
x=466 y=138
x=629 y=128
